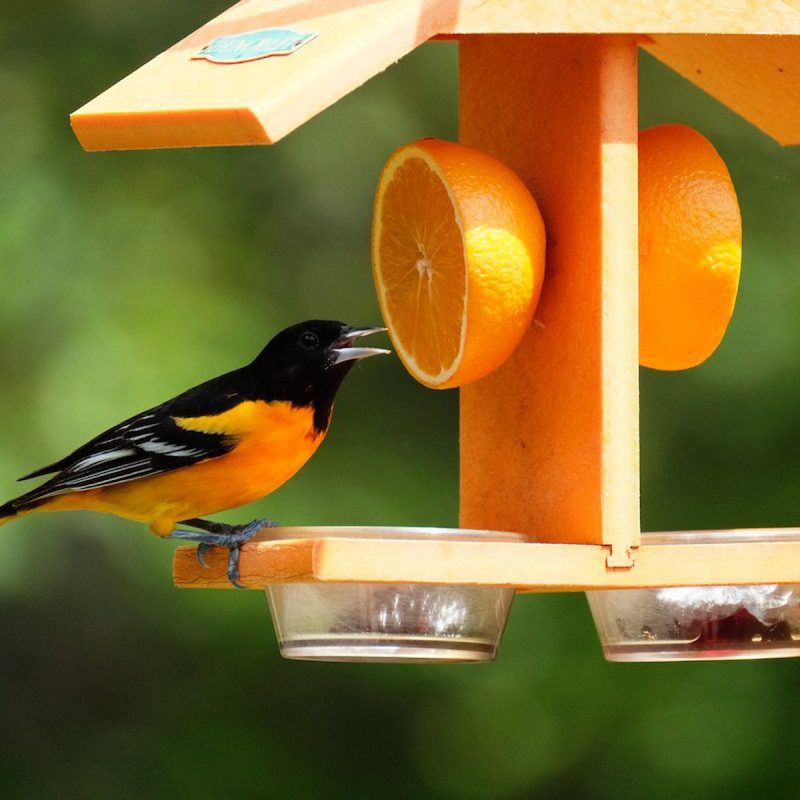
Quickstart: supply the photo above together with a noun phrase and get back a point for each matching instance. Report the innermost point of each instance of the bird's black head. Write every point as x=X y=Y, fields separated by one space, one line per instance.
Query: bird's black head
x=306 y=363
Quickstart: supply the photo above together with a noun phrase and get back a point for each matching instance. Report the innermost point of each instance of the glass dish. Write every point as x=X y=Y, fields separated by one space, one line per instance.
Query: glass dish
x=687 y=623
x=390 y=622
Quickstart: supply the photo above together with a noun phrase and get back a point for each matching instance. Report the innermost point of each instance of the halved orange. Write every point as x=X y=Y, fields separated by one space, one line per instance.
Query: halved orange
x=690 y=247
x=458 y=253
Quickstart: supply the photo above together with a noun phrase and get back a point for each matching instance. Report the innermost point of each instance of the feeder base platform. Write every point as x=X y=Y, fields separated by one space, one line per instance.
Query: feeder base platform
x=526 y=566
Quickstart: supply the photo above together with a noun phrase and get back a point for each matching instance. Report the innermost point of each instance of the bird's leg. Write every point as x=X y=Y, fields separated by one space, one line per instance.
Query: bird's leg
x=218 y=534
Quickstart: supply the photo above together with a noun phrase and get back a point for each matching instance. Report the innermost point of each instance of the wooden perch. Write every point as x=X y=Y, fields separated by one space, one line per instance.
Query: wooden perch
x=260 y=563
x=527 y=566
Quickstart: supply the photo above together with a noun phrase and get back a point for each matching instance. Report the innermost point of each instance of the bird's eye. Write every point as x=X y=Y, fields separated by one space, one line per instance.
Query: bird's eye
x=310 y=341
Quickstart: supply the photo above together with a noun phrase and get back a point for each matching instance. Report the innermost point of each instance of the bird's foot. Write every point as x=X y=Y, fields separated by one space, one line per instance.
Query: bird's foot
x=218 y=534
x=232 y=537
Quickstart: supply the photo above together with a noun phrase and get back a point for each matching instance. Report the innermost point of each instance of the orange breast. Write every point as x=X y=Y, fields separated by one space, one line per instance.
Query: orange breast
x=274 y=441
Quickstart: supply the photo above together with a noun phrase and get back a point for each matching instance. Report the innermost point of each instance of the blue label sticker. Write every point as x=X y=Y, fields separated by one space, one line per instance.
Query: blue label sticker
x=252 y=45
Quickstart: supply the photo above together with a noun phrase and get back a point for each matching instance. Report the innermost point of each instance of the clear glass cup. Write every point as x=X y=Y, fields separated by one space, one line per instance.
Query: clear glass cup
x=390 y=622
x=688 y=623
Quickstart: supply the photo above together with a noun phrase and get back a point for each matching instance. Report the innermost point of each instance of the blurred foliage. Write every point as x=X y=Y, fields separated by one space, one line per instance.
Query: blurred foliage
x=128 y=277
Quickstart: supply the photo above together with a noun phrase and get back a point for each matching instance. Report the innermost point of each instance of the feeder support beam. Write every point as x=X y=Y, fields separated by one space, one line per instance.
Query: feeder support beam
x=550 y=441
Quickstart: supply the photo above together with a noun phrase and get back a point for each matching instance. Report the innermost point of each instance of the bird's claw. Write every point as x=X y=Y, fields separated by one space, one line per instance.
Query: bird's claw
x=238 y=536
x=231 y=537
x=202 y=549
x=233 y=567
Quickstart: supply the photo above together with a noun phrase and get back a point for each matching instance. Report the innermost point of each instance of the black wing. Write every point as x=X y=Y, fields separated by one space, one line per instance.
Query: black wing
x=148 y=444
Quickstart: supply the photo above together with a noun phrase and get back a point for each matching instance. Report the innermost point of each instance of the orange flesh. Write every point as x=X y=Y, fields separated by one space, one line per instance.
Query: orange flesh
x=421 y=249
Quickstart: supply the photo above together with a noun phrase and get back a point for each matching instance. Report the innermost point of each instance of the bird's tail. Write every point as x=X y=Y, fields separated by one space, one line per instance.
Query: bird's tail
x=18 y=507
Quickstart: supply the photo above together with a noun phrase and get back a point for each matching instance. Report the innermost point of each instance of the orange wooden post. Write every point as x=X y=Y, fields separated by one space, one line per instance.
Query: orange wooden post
x=549 y=443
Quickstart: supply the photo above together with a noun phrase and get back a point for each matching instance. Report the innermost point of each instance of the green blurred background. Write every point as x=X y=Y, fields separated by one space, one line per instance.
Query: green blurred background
x=128 y=277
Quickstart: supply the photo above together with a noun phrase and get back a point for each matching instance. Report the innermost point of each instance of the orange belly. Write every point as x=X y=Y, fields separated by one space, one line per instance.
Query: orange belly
x=275 y=440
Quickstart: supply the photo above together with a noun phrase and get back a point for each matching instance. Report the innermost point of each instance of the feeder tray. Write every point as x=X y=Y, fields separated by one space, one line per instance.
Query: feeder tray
x=364 y=621
x=695 y=623
x=549 y=444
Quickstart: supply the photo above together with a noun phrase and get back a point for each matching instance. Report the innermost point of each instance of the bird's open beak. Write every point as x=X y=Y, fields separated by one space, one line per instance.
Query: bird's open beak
x=344 y=352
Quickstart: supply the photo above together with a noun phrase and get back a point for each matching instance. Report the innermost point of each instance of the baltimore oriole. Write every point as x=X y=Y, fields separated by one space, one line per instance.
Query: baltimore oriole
x=224 y=443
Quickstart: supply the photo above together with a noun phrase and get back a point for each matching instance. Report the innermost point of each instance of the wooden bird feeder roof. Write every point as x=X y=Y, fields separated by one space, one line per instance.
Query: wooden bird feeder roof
x=743 y=53
x=549 y=444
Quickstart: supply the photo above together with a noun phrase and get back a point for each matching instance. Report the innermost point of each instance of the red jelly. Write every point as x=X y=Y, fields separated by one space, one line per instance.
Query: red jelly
x=741 y=628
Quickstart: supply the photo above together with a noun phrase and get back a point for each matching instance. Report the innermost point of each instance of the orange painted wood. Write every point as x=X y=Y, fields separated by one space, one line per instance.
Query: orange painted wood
x=634 y=16
x=261 y=562
x=529 y=566
x=757 y=76
x=549 y=442
x=175 y=101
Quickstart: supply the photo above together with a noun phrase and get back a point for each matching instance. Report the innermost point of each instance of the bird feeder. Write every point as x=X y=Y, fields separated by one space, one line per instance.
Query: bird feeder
x=549 y=445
